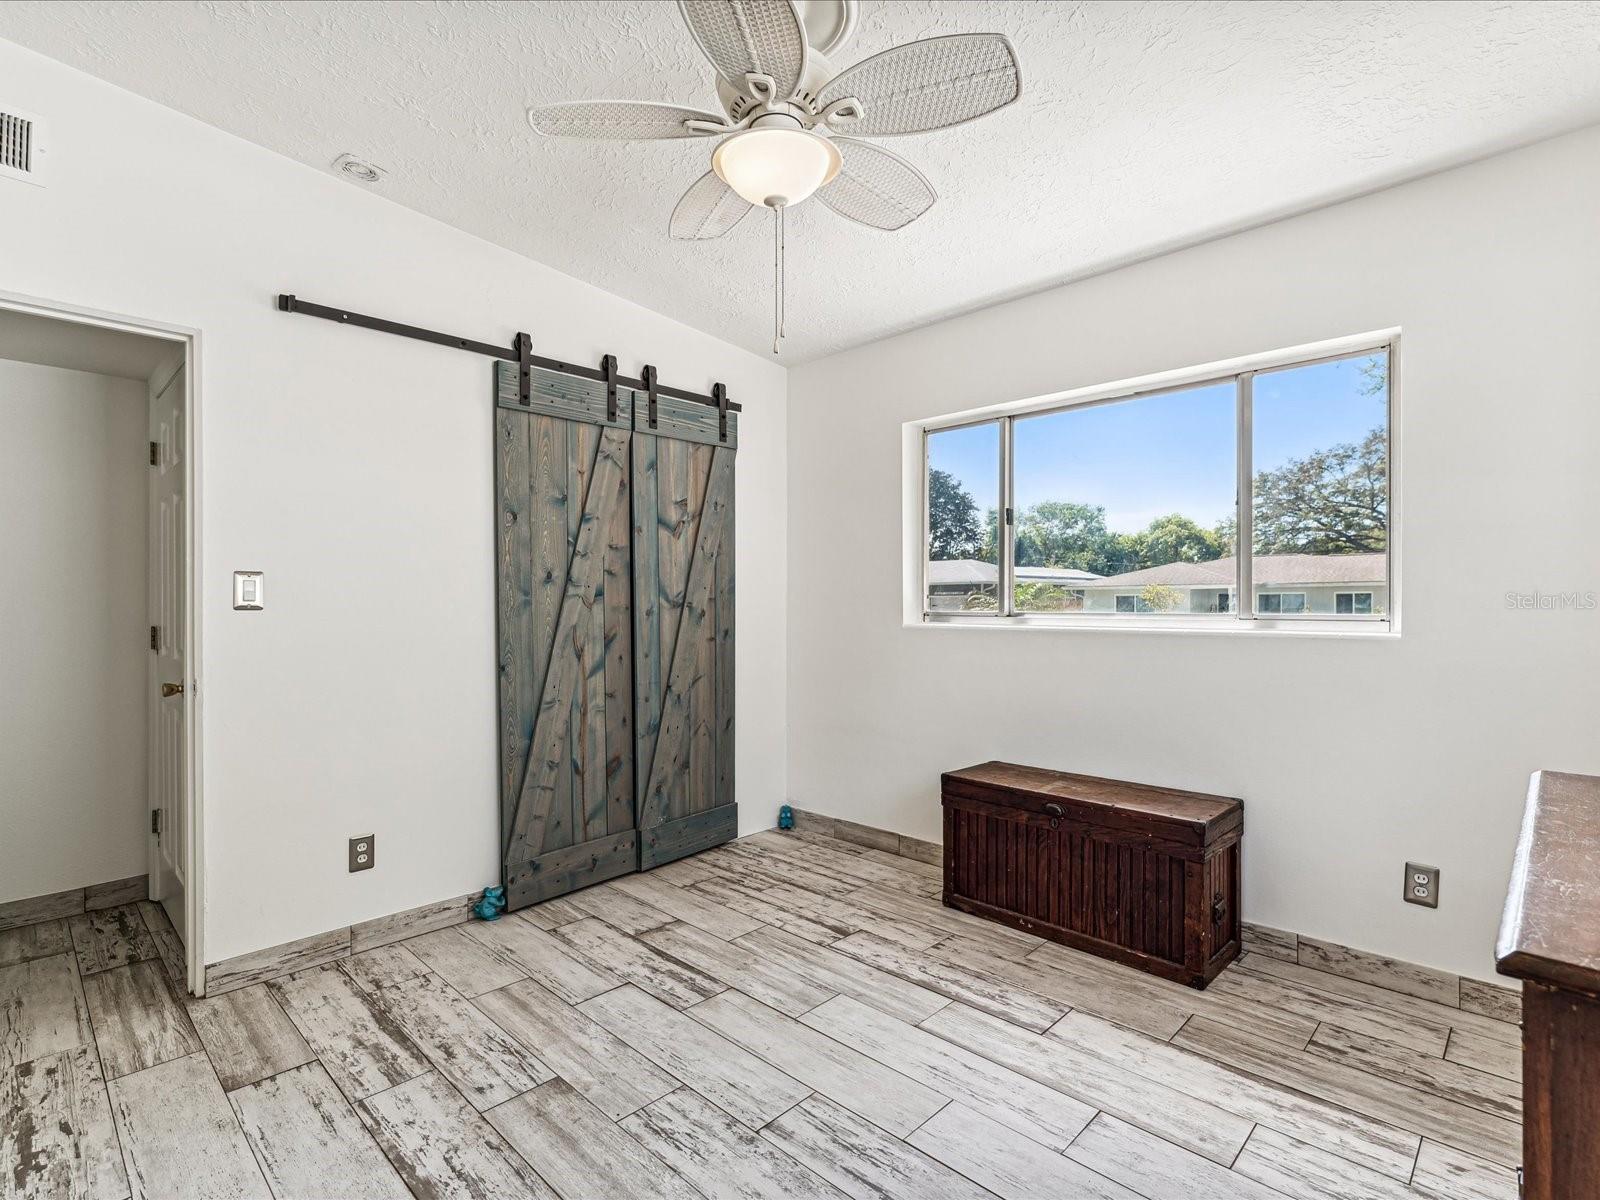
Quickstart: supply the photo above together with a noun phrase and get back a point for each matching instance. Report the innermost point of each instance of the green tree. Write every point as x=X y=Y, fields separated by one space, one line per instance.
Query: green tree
x=953 y=528
x=1158 y=597
x=1176 y=538
x=1332 y=501
x=1061 y=533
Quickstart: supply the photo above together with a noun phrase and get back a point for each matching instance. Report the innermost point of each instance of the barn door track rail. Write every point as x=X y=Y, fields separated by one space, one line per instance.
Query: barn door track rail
x=520 y=351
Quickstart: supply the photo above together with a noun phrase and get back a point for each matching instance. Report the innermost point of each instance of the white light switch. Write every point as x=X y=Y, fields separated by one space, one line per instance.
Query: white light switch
x=249 y=591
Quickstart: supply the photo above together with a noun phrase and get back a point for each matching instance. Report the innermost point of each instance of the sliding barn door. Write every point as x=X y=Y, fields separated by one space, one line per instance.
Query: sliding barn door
x=567 y=783
x=683 y=627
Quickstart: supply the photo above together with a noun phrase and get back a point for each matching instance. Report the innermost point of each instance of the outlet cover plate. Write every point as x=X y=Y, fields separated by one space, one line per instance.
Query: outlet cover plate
x=1422 y=885
x=363 y=852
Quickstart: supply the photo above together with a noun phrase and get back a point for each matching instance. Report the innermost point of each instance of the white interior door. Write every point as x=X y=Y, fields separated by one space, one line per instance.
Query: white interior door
x=169 y=681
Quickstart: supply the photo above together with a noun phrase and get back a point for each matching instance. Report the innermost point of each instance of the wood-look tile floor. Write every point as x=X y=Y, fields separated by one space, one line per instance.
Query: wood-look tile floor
x=783 y=1016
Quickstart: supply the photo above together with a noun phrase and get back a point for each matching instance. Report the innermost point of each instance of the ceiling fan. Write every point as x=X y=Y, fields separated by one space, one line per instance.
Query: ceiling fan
x=790 y=122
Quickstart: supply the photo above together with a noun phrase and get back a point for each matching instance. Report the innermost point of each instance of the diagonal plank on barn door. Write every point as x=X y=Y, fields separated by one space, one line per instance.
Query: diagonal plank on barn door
x=680 y=769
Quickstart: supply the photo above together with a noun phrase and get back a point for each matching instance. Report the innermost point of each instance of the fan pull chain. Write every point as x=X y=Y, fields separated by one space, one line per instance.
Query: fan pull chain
x=779 y=272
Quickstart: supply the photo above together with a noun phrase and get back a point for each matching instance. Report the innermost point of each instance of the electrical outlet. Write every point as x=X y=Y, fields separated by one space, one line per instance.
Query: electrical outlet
x=1422 y=885
x=363 y=850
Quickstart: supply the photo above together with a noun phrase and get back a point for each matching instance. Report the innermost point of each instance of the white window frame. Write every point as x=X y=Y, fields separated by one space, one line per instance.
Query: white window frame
x=1243 y=618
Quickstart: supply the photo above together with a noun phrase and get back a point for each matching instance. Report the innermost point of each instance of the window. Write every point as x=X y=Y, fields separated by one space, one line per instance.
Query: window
x=1281 y=602
x=963 y=499
x=1257 y=496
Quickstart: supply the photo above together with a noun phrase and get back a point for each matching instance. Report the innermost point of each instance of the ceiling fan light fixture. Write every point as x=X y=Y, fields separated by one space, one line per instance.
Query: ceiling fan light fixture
x=776 y=165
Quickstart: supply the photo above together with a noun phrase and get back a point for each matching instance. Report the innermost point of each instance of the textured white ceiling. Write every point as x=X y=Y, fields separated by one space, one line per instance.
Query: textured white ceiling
x=1142 y=127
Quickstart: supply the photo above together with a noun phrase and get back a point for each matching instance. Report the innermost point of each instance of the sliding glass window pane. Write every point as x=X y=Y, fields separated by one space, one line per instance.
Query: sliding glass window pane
x=1127 y=507
x=963 y=522
x=1321 y=495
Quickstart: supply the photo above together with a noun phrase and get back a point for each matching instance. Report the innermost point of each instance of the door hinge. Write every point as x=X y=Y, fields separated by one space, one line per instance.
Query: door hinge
x=155 y=821
x=155 y=453
x=155 y=637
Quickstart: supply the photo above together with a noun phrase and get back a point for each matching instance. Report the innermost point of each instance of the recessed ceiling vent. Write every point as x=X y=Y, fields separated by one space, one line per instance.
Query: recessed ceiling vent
x=21 y=147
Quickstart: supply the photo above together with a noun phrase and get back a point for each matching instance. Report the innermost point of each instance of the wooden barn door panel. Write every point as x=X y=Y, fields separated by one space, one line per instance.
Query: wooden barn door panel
x=683 y=629
x=566 y=629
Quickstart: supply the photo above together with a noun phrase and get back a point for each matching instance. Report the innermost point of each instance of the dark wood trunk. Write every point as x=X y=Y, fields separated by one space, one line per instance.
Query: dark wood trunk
x=1146 y=876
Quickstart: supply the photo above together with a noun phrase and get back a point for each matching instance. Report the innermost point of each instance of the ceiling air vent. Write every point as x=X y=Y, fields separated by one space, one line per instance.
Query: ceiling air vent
x=21 y=147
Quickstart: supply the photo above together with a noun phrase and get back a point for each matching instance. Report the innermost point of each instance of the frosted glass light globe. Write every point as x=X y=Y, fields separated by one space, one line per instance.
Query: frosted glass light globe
x=776 y=167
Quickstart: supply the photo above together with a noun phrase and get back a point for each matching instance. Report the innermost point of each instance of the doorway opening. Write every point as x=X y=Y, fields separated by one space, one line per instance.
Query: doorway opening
x=99 y=722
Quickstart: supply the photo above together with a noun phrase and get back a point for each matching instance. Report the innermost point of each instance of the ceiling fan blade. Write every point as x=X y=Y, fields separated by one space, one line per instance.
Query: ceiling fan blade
x=745 y=37
x=877 y=188
x=622 y=120
x=708 y=210
x=932 y=84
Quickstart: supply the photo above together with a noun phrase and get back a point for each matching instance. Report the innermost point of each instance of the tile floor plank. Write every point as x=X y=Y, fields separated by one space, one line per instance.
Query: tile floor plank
x=724 y=1073
x=1194 y=1125
x=1010 y=1165
x=1069 y=984
x=1433 y=1116
x=308 y=1140
x=57 y=1137
x=862 y=1161
x=484 y=1062
x=542 y=956
x=664 y=977
x=247 y=1035
x=384 y=966
x=1497 y=1001
x=42 y=1009
x=623 y=911
x=1237 y=995
x=111 y=937
x=705 y=915
x=180 y=1138
x=1445 y=1173
x=606 y=1071
x=978 y=989
x=1465 y=1085
x=169 y=946
x=738 y=966
x=744 y=896
x=138 y=1020
x=1488 y=1054
x=828 y=970
x=1357 y=1137
x=1049 y=1117
x=720 y=1156
x=442 y=1147
x=1306 y=1173
x=580 y=1152
x=462 y=963
x=890 y=1100
x=1155 y=1168
x=1013 y=943
x=28 y=942
x=357 y=1041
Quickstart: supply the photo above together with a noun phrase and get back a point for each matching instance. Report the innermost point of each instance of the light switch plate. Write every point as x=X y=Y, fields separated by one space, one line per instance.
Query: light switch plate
x=363 y=852
x=1422 y=885
x=249 y=591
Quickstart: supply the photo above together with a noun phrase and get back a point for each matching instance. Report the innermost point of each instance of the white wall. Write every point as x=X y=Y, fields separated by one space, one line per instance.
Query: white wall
x=72 y=629
x=355 y=469
x=1352 y=755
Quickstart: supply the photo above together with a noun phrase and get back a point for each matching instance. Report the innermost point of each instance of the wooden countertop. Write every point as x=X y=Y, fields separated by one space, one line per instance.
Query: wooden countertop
x=1550 y=931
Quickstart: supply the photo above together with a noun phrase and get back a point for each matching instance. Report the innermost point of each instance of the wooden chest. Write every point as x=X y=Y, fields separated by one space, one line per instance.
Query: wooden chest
x=1147 y=876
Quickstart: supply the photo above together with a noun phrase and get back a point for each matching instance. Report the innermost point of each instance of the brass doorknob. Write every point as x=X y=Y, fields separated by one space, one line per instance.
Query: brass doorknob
x=171 y=689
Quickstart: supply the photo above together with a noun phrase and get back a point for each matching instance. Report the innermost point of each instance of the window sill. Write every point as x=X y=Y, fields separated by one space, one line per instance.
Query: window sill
x=1303 y=627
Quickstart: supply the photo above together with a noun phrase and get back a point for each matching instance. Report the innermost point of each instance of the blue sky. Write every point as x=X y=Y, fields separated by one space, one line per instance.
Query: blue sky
x=1161 y=454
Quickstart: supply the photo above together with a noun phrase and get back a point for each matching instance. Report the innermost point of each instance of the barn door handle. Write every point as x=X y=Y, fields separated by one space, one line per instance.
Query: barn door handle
x=1056 y=813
